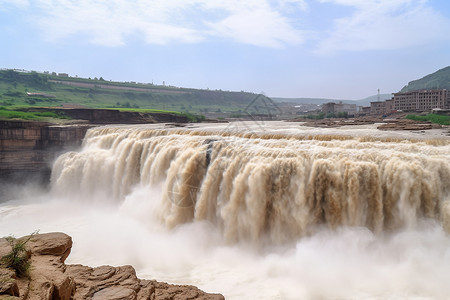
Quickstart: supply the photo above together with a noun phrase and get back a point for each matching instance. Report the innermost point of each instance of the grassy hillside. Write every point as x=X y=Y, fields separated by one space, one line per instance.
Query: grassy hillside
x=18 y=89
x=437 y=80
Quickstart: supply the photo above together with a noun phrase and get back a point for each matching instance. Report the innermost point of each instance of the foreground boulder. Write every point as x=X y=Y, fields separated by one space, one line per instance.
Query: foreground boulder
x=50 y=278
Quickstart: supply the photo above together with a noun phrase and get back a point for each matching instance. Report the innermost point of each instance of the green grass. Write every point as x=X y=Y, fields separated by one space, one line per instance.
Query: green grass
x=318 y=116
x=433 y=118
x=15 y=85
x=23 y=115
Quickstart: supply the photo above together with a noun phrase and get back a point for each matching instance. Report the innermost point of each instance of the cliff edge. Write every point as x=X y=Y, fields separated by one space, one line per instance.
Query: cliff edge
x=27 y=149
x=51 y=279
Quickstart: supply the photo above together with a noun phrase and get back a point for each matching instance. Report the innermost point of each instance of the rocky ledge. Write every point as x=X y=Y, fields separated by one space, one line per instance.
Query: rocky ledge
x=406 y=124
x=27 y=149
x=51 y=279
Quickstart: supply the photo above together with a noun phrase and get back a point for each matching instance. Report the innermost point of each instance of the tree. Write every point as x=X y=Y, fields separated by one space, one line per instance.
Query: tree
x=11 y=75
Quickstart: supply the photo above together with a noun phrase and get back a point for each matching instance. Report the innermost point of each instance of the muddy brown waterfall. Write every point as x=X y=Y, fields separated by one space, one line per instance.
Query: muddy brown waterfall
x=265 y=189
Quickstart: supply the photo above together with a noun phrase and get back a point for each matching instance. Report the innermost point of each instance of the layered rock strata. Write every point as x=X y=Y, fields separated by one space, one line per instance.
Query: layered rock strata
x=112 y=116
x=27 y=149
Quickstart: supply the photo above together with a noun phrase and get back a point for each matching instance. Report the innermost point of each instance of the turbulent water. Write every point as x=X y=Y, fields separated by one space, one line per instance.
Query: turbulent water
x=256 y=215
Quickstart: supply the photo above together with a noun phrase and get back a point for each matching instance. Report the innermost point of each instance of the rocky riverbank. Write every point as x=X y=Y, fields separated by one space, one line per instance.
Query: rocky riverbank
x=385 y=124
x=51 y=279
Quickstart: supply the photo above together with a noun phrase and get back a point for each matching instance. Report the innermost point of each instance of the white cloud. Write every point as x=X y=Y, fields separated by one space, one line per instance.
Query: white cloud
x=107 y=23
x=260 y=27
x=112 y=22
x=290 y=5
x=5 y=4
x=384 y=24
x=371 y=24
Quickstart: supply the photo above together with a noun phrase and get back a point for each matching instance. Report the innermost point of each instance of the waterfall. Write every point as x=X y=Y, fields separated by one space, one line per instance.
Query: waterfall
x=261 y=188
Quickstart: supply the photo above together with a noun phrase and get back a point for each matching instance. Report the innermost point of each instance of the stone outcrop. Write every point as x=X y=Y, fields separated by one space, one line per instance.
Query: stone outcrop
x=334 y=122
x=113 y=116
x=388 y=124
x=406 y=124
x=27 y=149
x=51 y=279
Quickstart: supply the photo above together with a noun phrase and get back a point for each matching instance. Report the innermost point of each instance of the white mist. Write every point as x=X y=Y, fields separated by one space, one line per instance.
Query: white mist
x=122 y=219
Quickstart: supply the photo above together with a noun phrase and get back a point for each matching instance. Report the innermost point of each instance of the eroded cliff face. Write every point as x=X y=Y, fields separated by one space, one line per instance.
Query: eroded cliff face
x=112 y=116
x=51 y=279
x=27 y=149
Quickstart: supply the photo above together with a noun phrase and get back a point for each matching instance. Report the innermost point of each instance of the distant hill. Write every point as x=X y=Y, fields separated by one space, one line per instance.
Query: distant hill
x=23 y=88
x=437 y=80
x=309 y=100
x=361 y=102
x=366 y=101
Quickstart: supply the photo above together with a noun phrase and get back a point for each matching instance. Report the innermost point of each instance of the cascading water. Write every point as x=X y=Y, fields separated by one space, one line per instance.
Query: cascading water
x=265 y=189
x=284 y=215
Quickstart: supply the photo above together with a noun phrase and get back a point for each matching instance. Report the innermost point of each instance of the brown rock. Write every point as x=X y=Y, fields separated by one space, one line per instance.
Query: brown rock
x=56 y=244
x=50 y=279
x=180 y=292
x=405 y=125
x=337 y=122
x=27 y=149
x=108 y=282
x=115 y=293
x=8 y=284
x=90 y=281
x=4 y=247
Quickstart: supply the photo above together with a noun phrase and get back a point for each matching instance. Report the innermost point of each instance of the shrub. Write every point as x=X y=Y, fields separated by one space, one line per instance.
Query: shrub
x=319 y=116
x=438 y=119
x=193 y=118
x=18 y=258
x=342 y=114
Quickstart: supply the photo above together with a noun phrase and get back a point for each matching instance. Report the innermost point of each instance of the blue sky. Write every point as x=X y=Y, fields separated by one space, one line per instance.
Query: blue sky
x=341 y=49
